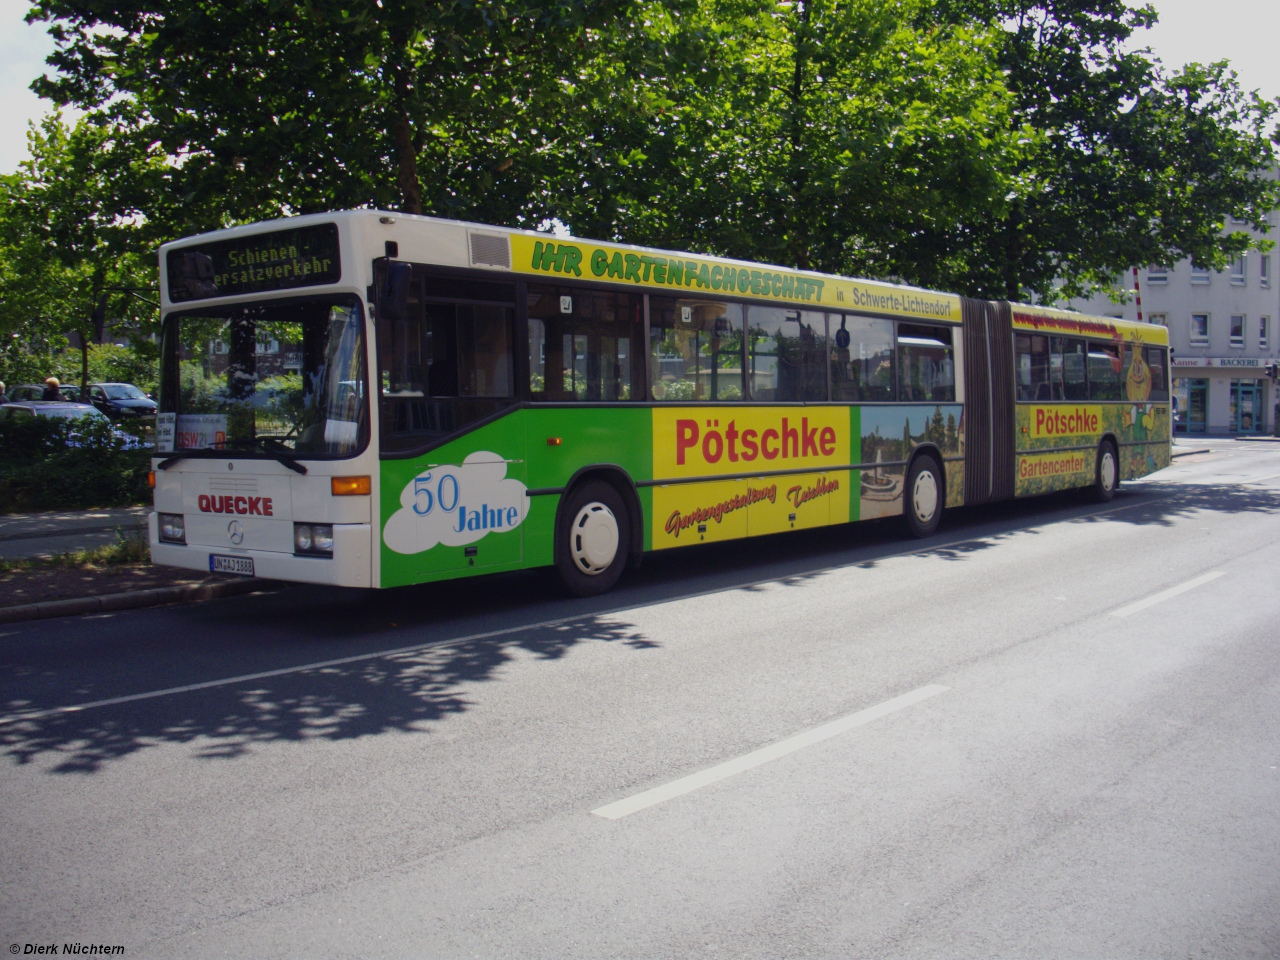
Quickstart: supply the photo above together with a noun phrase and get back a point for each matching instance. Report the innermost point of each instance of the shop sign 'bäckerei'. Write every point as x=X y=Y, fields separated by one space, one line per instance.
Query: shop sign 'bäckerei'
x=1224 y=362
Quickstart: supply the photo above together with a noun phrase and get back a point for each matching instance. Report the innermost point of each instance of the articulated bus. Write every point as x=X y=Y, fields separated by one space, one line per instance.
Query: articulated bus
x=373 y=399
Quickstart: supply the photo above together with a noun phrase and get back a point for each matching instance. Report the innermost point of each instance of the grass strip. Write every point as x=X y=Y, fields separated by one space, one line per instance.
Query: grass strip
x=129 y=549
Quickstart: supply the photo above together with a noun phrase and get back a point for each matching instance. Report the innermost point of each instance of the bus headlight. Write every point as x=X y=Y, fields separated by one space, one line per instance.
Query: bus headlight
x=172 y=528
x=313 y=539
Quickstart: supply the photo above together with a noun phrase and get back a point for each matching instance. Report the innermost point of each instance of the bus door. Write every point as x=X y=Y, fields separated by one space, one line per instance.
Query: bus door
x=445 y=377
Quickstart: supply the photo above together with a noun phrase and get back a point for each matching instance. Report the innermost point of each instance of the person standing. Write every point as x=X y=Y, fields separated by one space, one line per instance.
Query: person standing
x=4 y=397
x=52 y=391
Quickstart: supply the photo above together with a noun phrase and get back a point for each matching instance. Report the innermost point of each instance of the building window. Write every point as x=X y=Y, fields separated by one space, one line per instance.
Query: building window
x=1264 y=270
x=1157 y=274
x=1237 y=272
x=1200 y=329
x=1263 y=323
x=1237 y=329
x=1159 y=319
x=1199 y=274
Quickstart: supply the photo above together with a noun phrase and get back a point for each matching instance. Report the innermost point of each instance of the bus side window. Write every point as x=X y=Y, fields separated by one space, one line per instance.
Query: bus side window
x=1158 y=363
x=445 y=363
x=1106 y=372
x=585 y=345
x=862 y=369
x=484 y=351
x=1032 y=358
x=926 y=371
x=1067 y=369
x=695 y=350
x=787 y=354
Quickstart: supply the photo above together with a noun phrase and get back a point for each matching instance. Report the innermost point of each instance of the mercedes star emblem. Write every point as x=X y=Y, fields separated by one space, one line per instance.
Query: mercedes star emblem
x=235 y=532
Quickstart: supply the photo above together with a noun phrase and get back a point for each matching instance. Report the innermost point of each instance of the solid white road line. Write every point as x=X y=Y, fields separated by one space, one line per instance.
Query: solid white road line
x=695 y=781
x=921 y=549
x=281 y=672
x=1166 y=594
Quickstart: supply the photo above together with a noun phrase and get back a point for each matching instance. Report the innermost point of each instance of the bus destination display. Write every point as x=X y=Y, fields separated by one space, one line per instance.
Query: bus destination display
x=280 y=260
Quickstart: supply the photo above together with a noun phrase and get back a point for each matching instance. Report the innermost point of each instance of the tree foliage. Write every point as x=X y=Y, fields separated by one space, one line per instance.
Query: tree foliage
x=72 y=232
x=1004 y=148
x=809 y=133
x=304 y=105
x=1127 y=163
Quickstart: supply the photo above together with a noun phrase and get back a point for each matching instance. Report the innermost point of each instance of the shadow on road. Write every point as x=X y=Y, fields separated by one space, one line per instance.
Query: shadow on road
x=413 y=655
x=370 y=695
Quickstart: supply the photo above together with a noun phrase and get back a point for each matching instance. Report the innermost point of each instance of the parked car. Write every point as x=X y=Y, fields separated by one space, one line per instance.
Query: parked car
x=120 y=400
x=65 y=411
x=35 y=391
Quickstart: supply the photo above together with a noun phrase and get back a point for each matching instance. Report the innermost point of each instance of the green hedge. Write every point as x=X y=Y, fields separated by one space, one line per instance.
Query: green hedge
x=54 y=464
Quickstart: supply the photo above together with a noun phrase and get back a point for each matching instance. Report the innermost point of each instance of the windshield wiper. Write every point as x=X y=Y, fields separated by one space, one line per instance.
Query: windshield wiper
x=170 y=461
x=268 y=445
x=272 y=447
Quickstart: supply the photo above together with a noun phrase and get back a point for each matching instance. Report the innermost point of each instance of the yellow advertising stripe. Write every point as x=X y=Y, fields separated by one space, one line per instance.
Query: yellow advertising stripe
x=1064 y=420
x=1065 y=323
x=711 y=441
x=560 y=259
x=732 y=509
x=1051 y=466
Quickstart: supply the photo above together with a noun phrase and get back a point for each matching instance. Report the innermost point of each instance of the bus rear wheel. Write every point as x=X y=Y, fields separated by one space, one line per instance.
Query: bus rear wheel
x=1106 y=479
x=593 y=539
x=925 y=494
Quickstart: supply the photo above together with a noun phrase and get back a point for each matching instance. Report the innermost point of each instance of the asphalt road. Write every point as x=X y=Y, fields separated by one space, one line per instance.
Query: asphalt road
x=1051 y=730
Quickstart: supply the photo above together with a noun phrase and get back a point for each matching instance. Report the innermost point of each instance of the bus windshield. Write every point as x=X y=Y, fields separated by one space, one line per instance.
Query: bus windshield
x=267 y=378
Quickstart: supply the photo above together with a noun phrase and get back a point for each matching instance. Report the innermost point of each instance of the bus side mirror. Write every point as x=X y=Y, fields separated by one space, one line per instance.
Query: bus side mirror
x=395 y=291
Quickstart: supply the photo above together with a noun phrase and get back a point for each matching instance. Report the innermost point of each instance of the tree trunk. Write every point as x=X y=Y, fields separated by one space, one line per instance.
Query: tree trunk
x=1012 y=257
x=407 y=164
x=799 y=246
x=402 y=130
x=84 y=368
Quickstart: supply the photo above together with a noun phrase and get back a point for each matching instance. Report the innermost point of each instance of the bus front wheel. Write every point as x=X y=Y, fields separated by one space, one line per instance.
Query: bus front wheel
x=925 y=493
x=593 y=539
x=1107 y=475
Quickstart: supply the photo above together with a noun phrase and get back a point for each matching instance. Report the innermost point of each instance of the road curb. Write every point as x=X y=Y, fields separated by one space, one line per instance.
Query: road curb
x=133 y=600
x=1188 y=453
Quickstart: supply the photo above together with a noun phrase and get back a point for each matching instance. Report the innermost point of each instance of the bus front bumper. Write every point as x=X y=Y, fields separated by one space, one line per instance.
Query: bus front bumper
x=350 y=565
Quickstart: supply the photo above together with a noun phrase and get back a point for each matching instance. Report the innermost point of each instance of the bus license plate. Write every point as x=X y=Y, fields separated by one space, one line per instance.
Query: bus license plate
x=242 y=566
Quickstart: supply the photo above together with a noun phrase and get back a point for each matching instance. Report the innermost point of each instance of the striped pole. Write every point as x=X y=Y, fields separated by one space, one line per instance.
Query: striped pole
x=1138 y=293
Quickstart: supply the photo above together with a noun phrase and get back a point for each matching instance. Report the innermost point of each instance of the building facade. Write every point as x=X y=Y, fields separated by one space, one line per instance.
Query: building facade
x=1222 y=331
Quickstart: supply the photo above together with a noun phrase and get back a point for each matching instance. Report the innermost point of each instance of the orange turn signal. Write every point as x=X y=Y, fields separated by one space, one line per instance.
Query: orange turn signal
x=554 y=441
x=350 y=486
x=151 y=479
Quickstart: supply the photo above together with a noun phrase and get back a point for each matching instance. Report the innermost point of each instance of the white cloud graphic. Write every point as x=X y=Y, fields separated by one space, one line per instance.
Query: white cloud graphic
x=456 y=505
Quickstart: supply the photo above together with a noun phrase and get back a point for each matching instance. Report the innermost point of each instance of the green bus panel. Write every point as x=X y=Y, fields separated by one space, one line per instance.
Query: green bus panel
x=487 y=500
x=464 y=507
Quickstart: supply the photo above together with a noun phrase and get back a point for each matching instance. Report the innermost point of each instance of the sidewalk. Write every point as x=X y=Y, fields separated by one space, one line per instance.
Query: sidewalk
x=57 y=590
x=28 y=536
